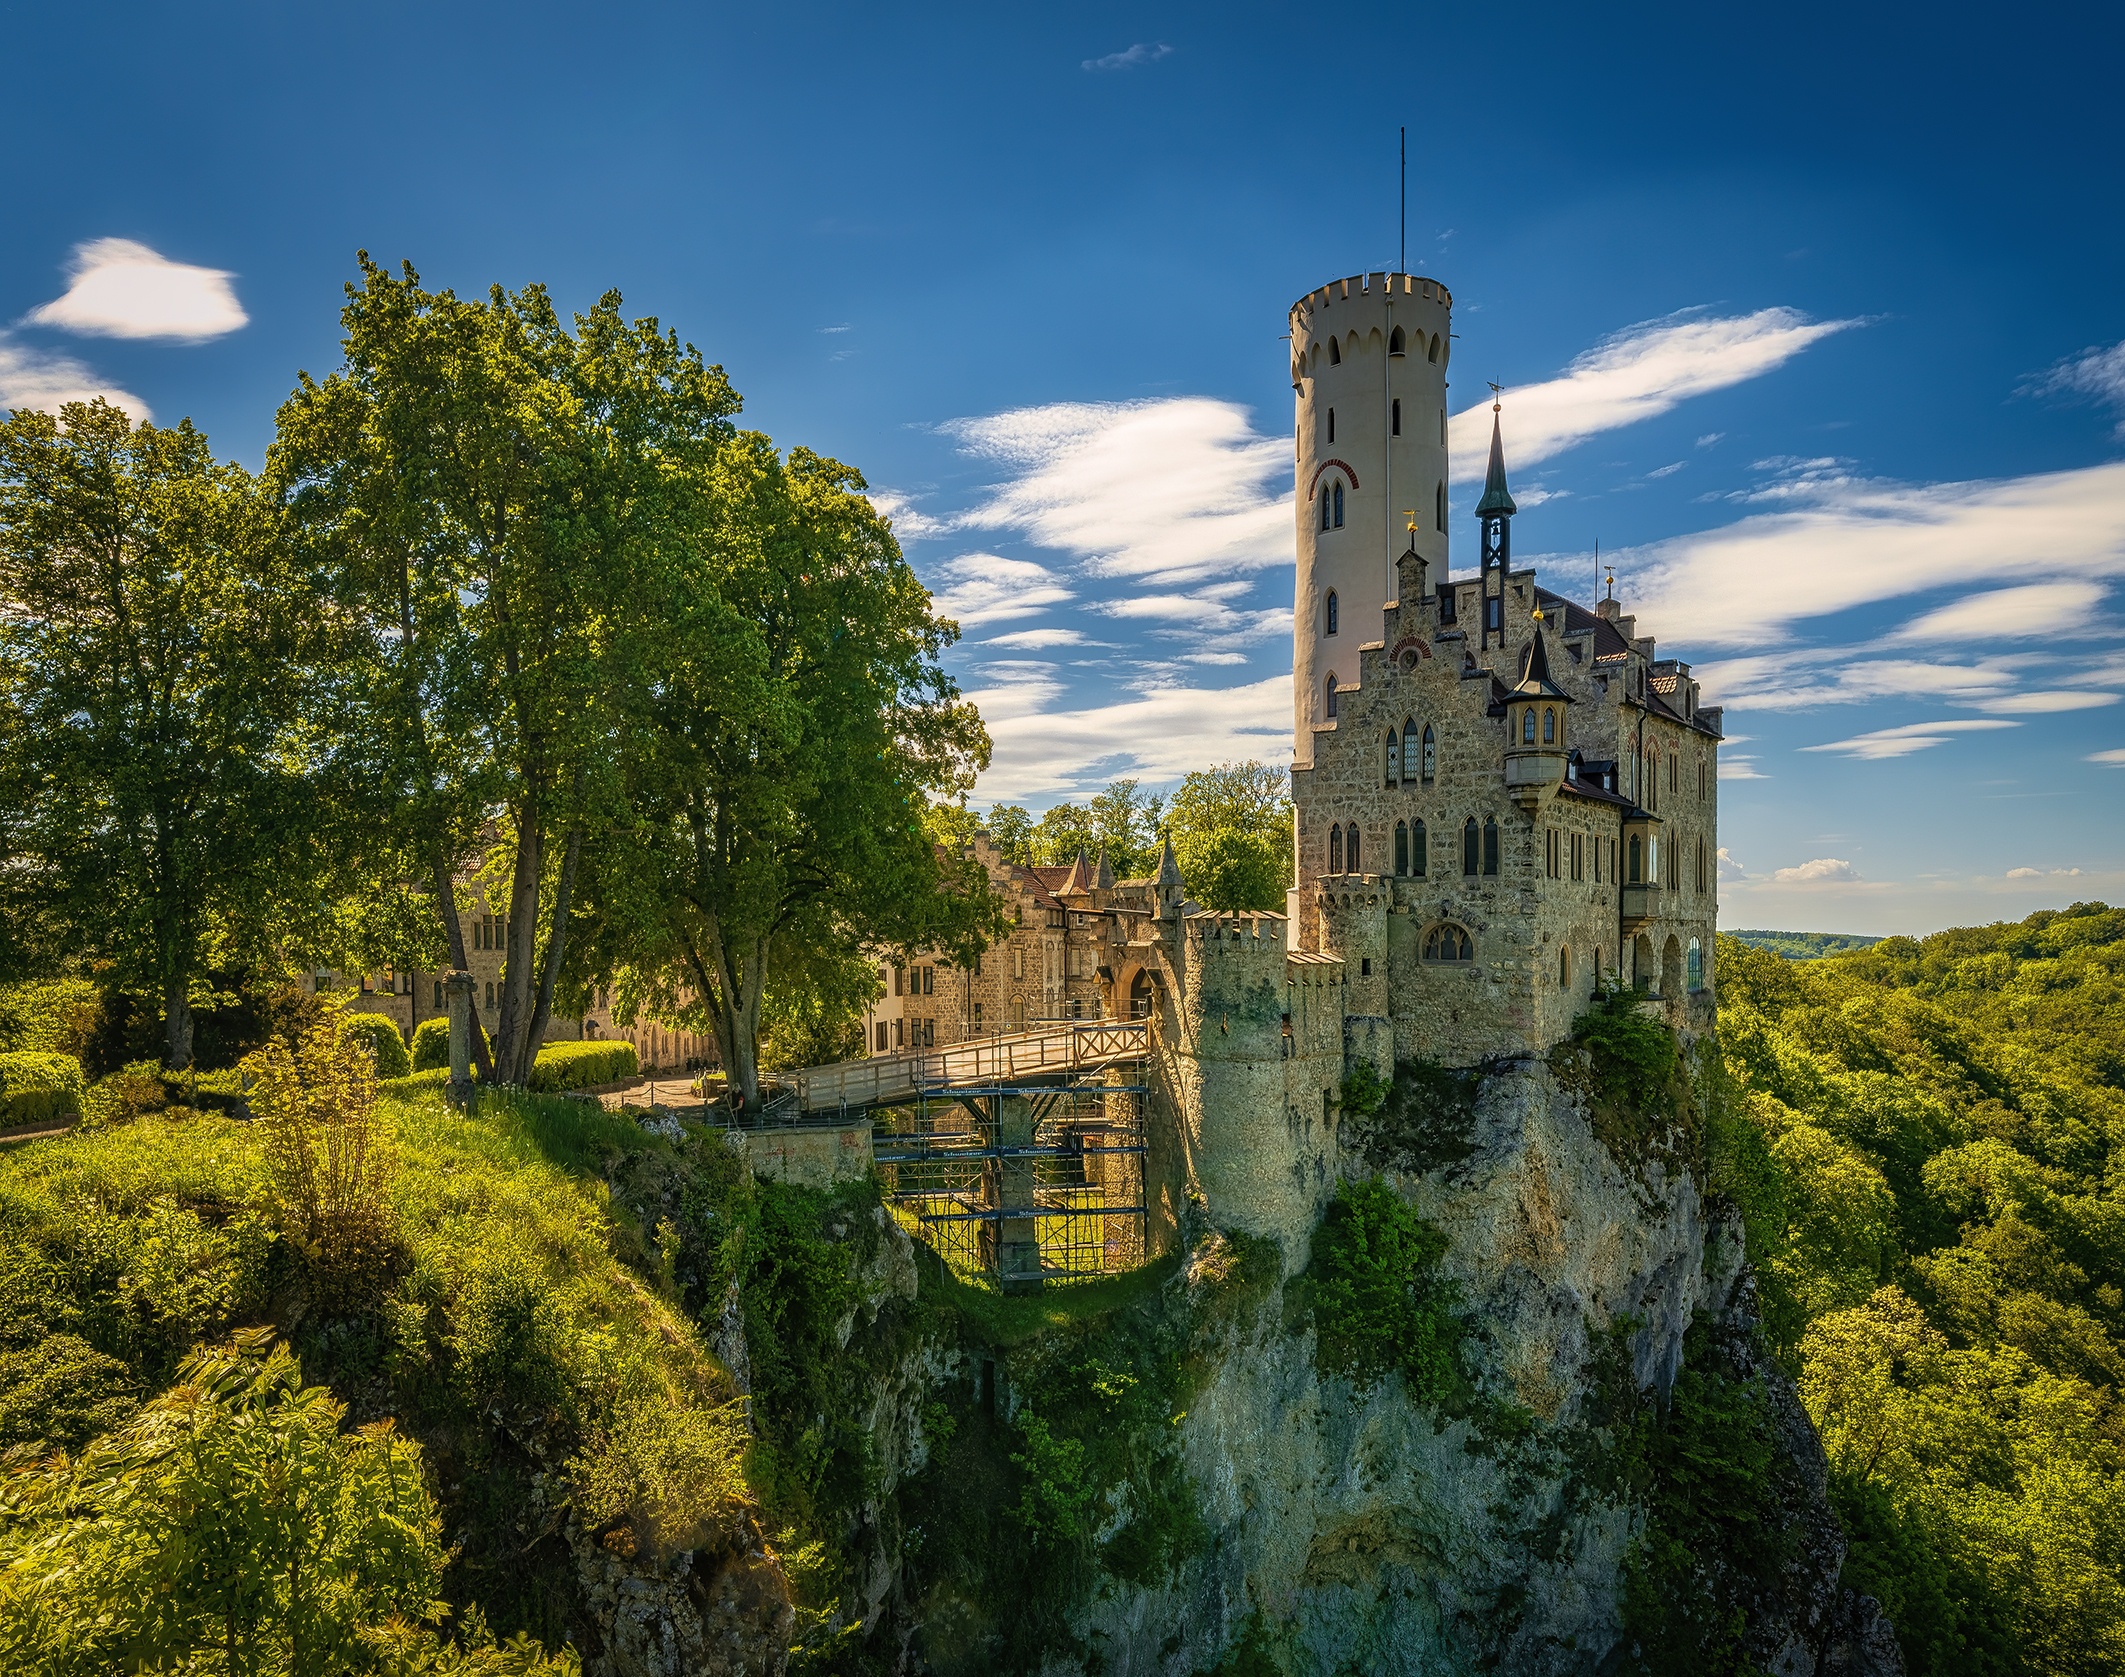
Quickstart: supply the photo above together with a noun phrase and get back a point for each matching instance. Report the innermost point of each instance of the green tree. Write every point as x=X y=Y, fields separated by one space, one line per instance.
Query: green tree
x=480 y=487
x=1231 y=832
x=1011 y=826
x=154 y=783
x=787 y=730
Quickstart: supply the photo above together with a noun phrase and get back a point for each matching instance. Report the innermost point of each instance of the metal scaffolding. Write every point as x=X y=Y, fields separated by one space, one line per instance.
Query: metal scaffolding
x=1026 y=1184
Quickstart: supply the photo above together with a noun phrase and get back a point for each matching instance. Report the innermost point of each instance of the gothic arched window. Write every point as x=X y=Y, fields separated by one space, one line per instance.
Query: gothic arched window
x=1637 y=863
x=1431 y=755
x=1331 y=613
x=1433 y=354
x=1324 y=506
x=1394 y=757
x=1564 y=967
x=1395 y=342
x=1440 y=523
x=1331 y=689
x=1351 y=863
x=1490 y=844
x=1527 y=726
x=1696 y=979
x=1402 y=849
x=1335 y=849
x=1339 y=506
x=1331 y=425
x=1417 y=857
x=1335 y=353
x=1471 y=849
x=1549 y=727
x=1449 y=944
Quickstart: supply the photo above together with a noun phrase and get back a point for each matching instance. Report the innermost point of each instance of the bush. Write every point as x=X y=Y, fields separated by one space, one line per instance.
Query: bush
x=582 y=1065
x=1379 y=1302
x=204 y=1091
x=127 y=1092
x=386 y=1043
x=54 y=1016
x=39 y=1087
x=431 y=1046
x=675 y=1475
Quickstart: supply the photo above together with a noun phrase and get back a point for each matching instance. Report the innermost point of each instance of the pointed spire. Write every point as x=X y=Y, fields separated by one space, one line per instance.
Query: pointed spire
x=1103 y=875
x=1080 y=873
x=1169 y=871
x=1496 y=497
x=1534 y=671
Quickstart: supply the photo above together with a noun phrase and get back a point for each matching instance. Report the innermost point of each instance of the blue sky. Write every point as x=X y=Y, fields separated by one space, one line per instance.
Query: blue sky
x=1810 y=315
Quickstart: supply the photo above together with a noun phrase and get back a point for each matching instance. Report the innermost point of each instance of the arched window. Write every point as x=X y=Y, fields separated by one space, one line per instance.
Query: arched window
x=1652 y=780
x=1402 y=849
x=1440 y=524
x=1324 y=506
x=1696 y=967
x=1448 y=944
x=1527 y=726
x=1674 y=773
x=1549 y=727
x=1433 y=354
x=1490 y=844
x=1564 y=967
x=1339 y=506
x=1395 y=341
x=1351 y=864
x=1418 y=849
x=1335 y=849
x=1335 y=359
x=1704 y=872
x=1331 y=696
x=1397 y=413
x=1431 y=755
x=1331 y=425
x=1394 y=757
x=1471 y=849
x=1597 y=964
x=1331 y=612
x=1637 y=875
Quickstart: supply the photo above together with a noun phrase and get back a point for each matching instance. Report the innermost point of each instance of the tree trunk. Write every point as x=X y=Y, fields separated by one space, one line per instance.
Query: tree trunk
x=177 y=1022
x=515 y=1051
x=556 y=943
x=454 y=936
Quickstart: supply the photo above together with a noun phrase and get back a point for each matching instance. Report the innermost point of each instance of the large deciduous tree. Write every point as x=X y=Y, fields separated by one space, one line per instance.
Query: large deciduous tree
x=1231 y=832
x=788 y=727
x=482 y=489
x=154 y=792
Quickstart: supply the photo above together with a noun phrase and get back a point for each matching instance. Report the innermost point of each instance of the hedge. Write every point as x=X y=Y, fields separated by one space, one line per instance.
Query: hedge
x=36 y=1087
x=385 y=1042
x=431 y=1045
x=50 y=1016
x=582 y=1065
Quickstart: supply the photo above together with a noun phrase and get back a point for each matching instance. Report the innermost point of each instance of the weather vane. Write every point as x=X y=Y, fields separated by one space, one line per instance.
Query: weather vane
x=1495 y=402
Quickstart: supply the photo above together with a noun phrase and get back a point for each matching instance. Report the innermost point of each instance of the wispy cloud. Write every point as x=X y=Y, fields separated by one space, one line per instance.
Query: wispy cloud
x=2097 y=373
x=1836 y=542
x=120 y=289
x=1801 y=680
x=1169 y=491
x=2114 y=758
x=988 y=588
x=1036 y=640
x=36 y=378
x=1913 y=736
x=1641 y=372
x=2047 y=703
x=2036 y=608
x=1144 y=52
x=1823 y=870
x=2043 y=873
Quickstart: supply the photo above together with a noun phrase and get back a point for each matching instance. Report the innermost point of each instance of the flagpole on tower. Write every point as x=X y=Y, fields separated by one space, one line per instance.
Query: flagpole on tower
x=1405 y=199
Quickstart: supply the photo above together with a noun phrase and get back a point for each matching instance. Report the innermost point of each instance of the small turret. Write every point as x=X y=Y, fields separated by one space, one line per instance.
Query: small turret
x=1536 y=742
x=1103 y=874
x=1168 y=884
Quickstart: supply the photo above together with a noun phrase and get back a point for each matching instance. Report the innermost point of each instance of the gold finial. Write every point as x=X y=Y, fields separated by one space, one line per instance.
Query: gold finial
x=1496 y=400
x=1538 y=614
x=1410 y=513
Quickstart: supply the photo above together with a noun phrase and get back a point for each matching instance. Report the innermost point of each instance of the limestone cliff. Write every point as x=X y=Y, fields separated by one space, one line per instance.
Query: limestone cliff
x=1175 y=1481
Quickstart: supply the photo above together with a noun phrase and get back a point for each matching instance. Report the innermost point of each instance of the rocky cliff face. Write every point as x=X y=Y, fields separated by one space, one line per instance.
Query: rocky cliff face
x=1616 y=1480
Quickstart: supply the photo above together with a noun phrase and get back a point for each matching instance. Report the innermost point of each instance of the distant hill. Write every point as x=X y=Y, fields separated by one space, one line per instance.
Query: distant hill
x=1805 y=946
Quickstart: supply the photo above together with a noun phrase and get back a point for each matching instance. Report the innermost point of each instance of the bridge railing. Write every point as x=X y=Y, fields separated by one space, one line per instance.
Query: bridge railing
x=885 y=1078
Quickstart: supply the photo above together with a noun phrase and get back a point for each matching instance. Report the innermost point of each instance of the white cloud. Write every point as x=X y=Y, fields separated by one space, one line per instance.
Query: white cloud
x=2043 y=873
x=1170 y=491
x=1912 y=736
x=1641 y=372
x=1157 y=735
x=1033 y=640
x=1799 y=680
x=910 y=523
x=2097 y=372
x=2115 y=758
x=1729 y=867
x=988 y=588
x=121 y=289
x=1742 y=767
x=2046 y=703
x=1709 y=438
x=1144 y=52
x=1660 y=471
x=1824 y=870
x=36 y=378
x=2035 y=608
x=1836 y=542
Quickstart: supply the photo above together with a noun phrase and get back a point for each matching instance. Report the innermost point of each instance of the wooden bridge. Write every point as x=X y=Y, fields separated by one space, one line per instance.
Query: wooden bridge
x=1029 y=1056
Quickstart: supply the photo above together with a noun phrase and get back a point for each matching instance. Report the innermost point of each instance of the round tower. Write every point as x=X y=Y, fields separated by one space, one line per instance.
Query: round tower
x=1352 y=910
x=1368 y=361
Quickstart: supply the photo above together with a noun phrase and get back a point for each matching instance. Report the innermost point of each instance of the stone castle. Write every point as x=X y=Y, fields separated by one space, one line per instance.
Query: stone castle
x=1504 y=799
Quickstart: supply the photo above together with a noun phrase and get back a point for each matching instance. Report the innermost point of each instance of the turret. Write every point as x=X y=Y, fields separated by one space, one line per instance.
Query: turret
x=1167 y=884
x=1494 y=513
x=1536 y=732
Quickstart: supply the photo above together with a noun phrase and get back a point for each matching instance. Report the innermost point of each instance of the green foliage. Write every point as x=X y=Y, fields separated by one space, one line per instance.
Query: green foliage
x=230 y=1526
x=1124 y=820
x=50 y=1016
x=1231 y=832
x=1380 y=1305
x=582 y=1065
x=673 y=1475
x=385 y=1043
x=39 y=1087
x=1625 y=1060
x=431 y=1045
x=1942 y=1264
x=1804 y=946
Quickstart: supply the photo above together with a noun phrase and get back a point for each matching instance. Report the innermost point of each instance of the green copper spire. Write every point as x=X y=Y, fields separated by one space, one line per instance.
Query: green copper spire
x=1496 y=497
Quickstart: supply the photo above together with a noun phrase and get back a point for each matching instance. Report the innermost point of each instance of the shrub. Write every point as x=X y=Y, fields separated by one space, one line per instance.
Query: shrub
x=330 y=1163
x=385 y=1042
x=674 y=1474
x=1379 y=1302
x=582 y=1065
x=54 y=1016
x=38 y=1087
x=127 y=1092
x=431 y=1046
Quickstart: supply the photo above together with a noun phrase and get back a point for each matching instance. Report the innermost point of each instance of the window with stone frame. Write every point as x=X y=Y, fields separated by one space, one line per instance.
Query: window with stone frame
x=1402 y=849
x=1350 y=849
x=1431 y=756
x=1394 y=758
x=1471 y=849
x=1490 y=844
x=1417 y=857
x=1448 y=945
x=1335 y=848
